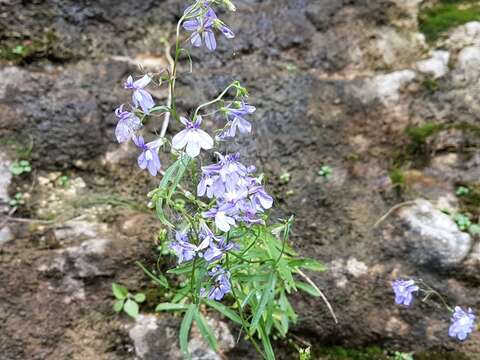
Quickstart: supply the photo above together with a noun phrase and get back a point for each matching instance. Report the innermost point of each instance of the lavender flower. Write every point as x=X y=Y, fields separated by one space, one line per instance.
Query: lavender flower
x=185 y=250
x=192 y=137
x=403 y=291
x=202 y=28
x=223 y=220
x=239 y=197
x=238 y=121
x=221 y=279
x=140 y=97
x=463 y=323
x=148 y=159
x=127 y=124
x=215 y=252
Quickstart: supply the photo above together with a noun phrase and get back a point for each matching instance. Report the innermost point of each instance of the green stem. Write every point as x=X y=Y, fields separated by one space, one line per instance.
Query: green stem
x=217 y=99
x=242 y=318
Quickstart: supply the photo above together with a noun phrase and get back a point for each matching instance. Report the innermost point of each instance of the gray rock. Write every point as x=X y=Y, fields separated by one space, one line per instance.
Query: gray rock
x=5 y=179
x=5 y=235
x=155 y=338
x=433 y=236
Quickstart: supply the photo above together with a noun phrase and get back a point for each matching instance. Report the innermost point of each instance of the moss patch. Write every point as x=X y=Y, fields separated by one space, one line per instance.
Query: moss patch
x=397 y=178
x=440 y=18
x=341 y=353
x=417 y=152
x=46 y=45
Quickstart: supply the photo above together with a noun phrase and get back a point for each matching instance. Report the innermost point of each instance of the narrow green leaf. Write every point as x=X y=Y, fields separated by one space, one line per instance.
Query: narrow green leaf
x=267 y=295
x=205 y=330
x=181 y=269
x=119 y=291
x=170 y=307
x=309 y=289
x=310 y=264
x=118 y=306
x=229 y=313
x=267 y=345
x=161 y=214
x=185 y=328
x=160 y=109
x=131 y=308
x=159 y=279
x=139 y=298
x=182 y=167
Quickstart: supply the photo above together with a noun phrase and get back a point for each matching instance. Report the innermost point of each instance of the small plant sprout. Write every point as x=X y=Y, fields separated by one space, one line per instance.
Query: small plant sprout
x=462 y=191
x=325 y=172
x=285 y=178
x=304 y=354
x=125 y=301
x=18 y=199
x=20 y=167
x=63 y=181
x=462 y=221
x=232 y=256
x=19 y=50
x=402 y=356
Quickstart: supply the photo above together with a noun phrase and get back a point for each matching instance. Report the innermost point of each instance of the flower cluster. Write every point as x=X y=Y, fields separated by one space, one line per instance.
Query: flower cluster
x=239 y=196
x=203 y=25
x=462 y=322
x=129 y=123
x=235 y=113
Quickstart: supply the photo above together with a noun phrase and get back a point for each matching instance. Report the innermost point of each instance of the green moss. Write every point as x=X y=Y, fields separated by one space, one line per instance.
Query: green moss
x=419 y=134
x=447 y=14
x=46 y=45
x=470 y=201
x=417 y=152
x=430 y=84
x=341 y=353
x=397 y=177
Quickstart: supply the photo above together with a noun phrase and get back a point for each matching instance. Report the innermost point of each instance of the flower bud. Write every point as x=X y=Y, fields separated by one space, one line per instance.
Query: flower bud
x=229 y=5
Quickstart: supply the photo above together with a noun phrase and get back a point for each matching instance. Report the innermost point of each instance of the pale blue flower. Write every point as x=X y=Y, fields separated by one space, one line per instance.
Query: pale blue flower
x=127 y=124
x=221 y=284
x=192 y=137
x=148 y=159
x=403 y=291
x=140 y=96
x=463 y=323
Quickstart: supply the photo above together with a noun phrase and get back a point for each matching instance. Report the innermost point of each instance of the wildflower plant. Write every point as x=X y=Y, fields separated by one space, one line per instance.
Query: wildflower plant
x=231 y=256
x=462 y=322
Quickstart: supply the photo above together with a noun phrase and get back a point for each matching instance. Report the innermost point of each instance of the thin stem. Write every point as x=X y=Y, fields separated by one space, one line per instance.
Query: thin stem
x=166 y=120
x=217 y=99
x=192 y=281
x=430 y=291
x=244 y=322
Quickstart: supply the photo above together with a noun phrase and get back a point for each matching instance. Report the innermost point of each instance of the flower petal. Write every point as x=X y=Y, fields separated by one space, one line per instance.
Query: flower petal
x=210 y=41
x=180 y=140
x=141 y=83
x=193 y=148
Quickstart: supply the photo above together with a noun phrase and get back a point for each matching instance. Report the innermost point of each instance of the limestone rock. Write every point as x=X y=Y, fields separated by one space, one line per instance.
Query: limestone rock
x=436 y=65
x=433 y=236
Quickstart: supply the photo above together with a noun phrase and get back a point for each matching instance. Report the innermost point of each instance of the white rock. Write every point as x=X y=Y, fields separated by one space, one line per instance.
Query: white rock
x=387 y=86
x=433 y=237
x=465 y=35
x=356 y=268
x=5 y=179
x=5 y=235
x=437 y=65
x=154 y=337
x=143 y=326
x=468 y=62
